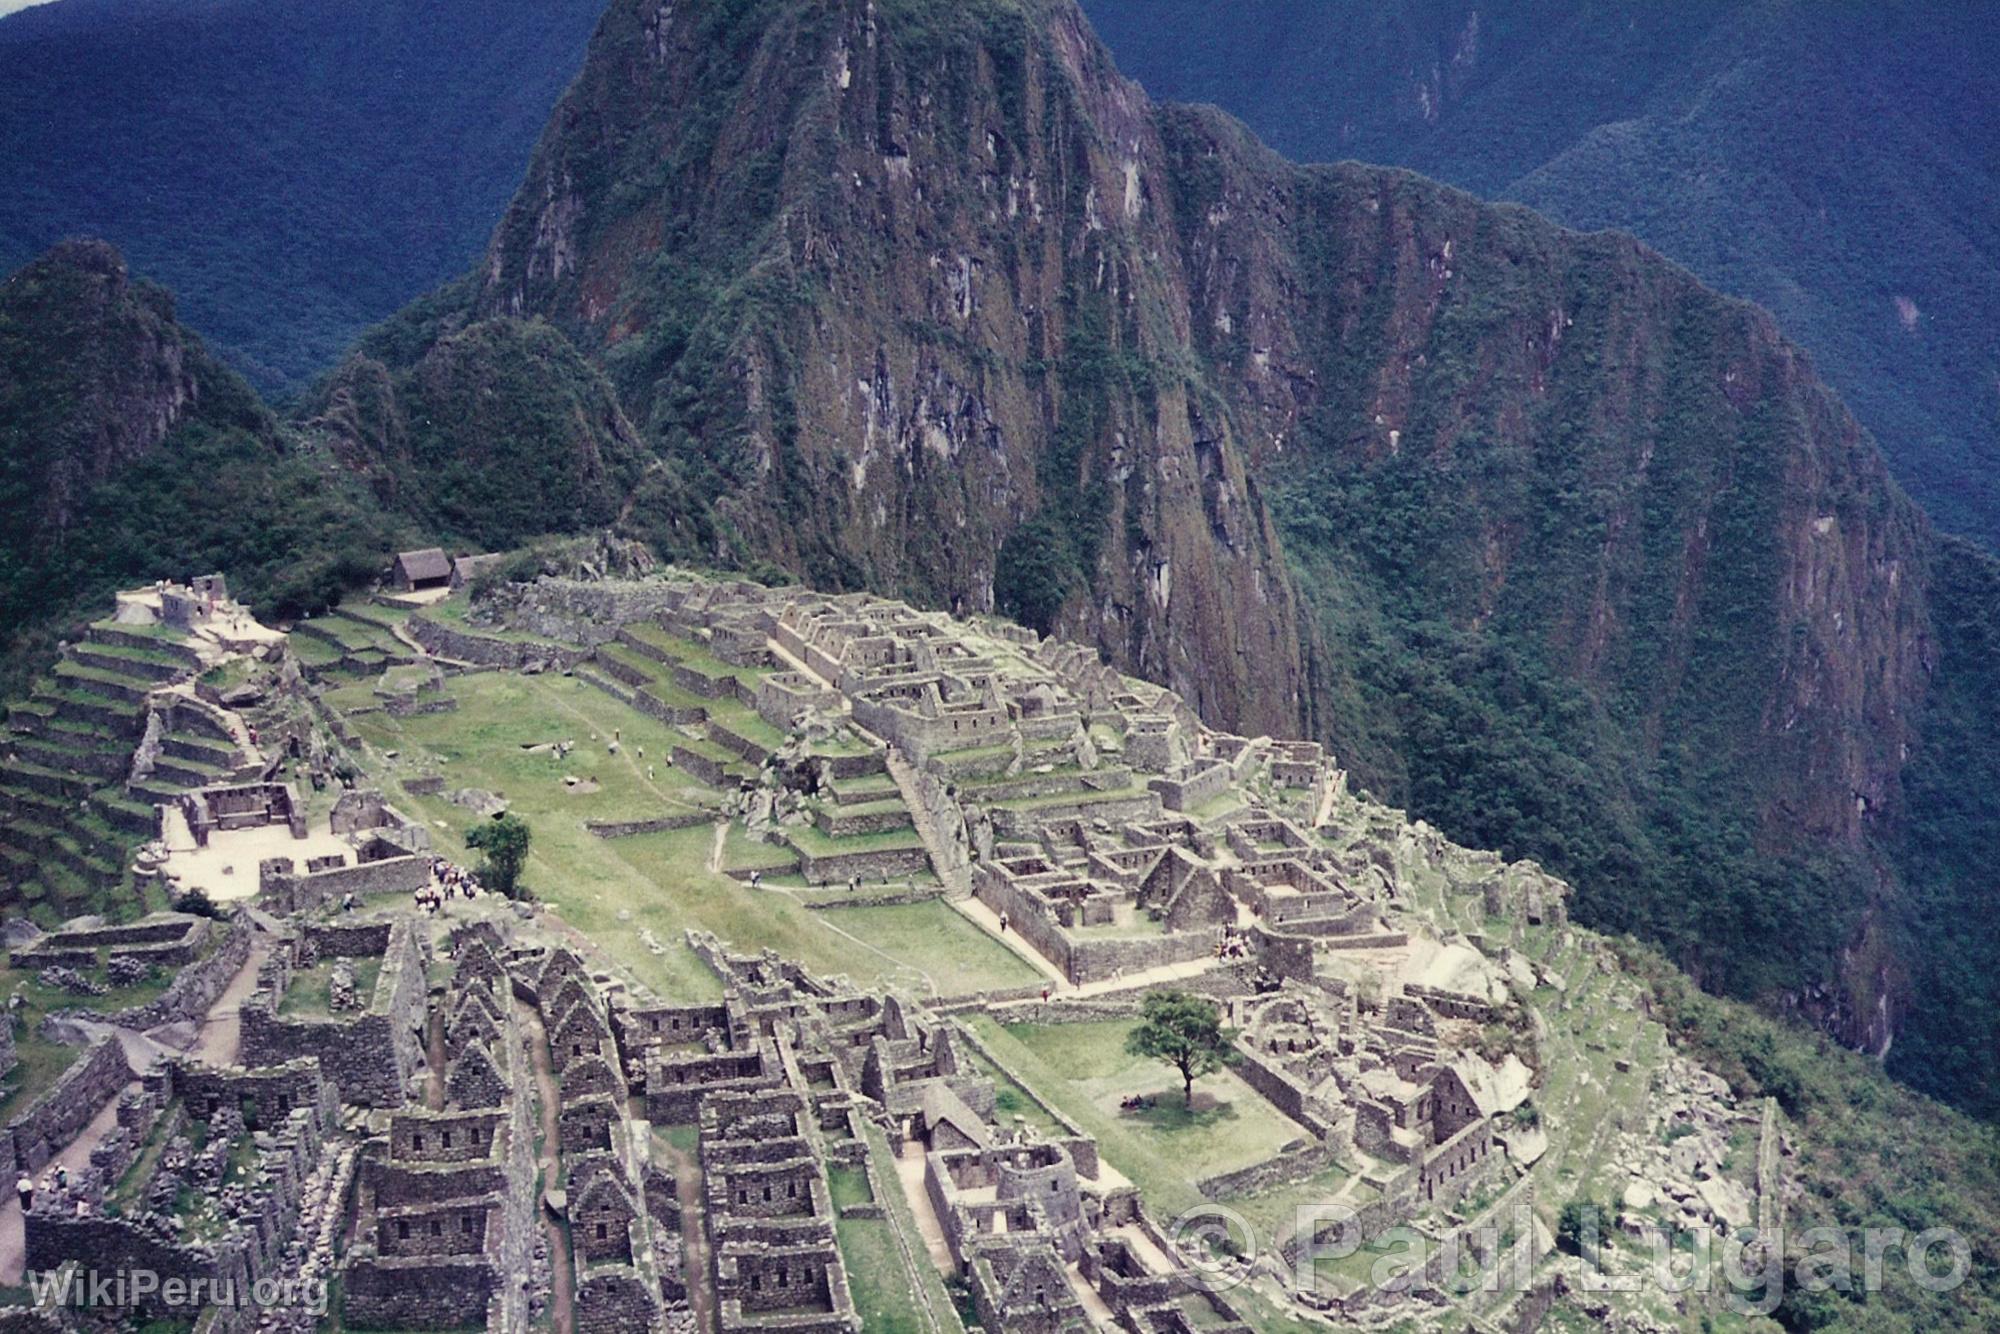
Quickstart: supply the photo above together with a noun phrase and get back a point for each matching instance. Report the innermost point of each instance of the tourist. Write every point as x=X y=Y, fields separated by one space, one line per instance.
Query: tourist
x=1045 y=995
x=62 y=1177
x=25 y=1188
x=1003 y=921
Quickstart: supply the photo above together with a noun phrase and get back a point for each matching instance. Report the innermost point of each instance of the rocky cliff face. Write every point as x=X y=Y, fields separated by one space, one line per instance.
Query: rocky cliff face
x=1565 y=551
x=127 y=452
x=1642 y=477
x=94 y=372
x=893 y=283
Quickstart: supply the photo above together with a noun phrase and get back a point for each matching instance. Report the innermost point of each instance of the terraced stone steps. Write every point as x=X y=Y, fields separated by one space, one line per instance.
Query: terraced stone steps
x=88 y=753
x=18 y=801
x=125 y=813
x=188 y=773
x=151 y=642
x=117 y=716
x=151 y=664
x=200 y=747
x=56 y=782
x=117 y=684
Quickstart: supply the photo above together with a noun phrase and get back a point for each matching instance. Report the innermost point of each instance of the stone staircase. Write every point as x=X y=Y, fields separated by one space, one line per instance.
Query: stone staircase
x=69 y=819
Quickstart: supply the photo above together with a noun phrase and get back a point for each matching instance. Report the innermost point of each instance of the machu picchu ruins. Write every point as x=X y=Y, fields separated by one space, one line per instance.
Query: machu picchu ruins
x=813 y=1017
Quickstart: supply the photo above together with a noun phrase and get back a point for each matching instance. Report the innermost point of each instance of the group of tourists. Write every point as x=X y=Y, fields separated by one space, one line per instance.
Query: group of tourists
x=448 y=881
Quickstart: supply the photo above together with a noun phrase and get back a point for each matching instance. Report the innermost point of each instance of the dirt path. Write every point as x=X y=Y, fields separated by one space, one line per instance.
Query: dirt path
x=689 y=1188
x=216 y=1042
x=988 y=921
x=221 y=1034
x=910 y=1175
x=563 y=1278
x=75 y=1157
x=434 y=1055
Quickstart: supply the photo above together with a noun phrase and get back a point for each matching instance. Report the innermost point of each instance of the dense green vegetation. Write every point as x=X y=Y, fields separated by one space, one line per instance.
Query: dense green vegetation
x=1872 y=1154
x=1945 y=853
x=1834 y=163
x=127 y=452
x=294 y=171
x=500 y=431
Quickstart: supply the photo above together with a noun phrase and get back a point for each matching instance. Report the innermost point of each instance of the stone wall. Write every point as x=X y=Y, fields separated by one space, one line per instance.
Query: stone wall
x=1091 y=959
x=418 y=1293
x=172 y=942
x=193 y=990
x=369 y=1057
x=1026 y=823
x=487 y=651
x=1292 y=1165
x=704 y=767
x=584 y=611
x=657 y=825
x=66 y=1107
x=291 y=893
x=879 y=864
x=1282 y=1091
x=838 y=822
x=1189 y=791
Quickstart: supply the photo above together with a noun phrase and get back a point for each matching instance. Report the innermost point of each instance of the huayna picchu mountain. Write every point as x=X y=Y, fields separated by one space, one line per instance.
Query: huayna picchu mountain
x=1568 y=554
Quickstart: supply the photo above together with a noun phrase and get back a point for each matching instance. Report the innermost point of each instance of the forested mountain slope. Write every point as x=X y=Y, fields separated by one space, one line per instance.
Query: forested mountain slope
x=1556 y=546
x=128 y=452
x=295 y=171
x=1835 y=163
x=1569 y=553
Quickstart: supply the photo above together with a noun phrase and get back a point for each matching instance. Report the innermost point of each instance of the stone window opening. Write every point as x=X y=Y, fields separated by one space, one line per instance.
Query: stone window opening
x=402 y=1229
x=437 y=1228
x=602 y=1232
x=465 y=1225
x=447 y=1139
x=417 y=1143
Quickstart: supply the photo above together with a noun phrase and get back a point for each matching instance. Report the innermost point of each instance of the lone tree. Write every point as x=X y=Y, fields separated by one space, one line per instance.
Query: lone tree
x=1184 y=1031
x=503 y=841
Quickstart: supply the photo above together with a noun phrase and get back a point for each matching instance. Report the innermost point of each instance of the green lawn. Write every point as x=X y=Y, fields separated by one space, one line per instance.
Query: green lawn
x=741 y=853
x=1085 y=1070
x=848 y=1186
x=878 y=1278
x=631 y=895
x=936 y=938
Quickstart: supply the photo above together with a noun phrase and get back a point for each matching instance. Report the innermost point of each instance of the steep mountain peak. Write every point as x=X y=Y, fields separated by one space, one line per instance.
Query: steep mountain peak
x=1565 y=552
x=894 y=287
x=94 y=372
x=127 y=448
